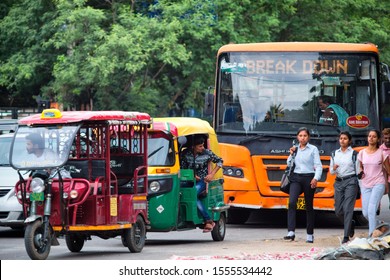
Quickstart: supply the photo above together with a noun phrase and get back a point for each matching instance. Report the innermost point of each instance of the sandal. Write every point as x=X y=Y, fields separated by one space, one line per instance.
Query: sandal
x=209 y=225
x=381 y=230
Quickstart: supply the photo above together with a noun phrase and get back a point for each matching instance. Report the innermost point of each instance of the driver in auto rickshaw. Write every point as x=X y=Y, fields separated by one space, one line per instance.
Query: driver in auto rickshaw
x=198 y=158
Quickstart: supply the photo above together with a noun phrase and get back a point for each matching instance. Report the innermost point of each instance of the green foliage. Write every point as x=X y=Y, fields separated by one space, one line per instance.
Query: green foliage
x=155 y=56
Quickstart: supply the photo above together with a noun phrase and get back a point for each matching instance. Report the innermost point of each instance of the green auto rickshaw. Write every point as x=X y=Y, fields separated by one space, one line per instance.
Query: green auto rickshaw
x=172 y=196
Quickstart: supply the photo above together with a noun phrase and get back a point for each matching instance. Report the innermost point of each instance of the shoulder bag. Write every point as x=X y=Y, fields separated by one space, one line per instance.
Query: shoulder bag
x=285 y=181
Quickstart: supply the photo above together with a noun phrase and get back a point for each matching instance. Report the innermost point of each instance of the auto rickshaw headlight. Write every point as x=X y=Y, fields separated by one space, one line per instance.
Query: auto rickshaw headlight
x=37 y=185
x=155 y=186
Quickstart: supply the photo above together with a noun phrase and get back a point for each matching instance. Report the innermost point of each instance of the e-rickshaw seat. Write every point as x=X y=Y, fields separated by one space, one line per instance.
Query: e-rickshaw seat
x=97 y=167
x=95 y=176
x=124 y=168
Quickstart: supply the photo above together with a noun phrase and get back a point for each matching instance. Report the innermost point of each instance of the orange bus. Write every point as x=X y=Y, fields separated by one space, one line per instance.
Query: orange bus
x=265 y=92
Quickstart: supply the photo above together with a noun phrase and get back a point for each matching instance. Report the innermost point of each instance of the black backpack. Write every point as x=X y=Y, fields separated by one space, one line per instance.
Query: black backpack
x=354 y=157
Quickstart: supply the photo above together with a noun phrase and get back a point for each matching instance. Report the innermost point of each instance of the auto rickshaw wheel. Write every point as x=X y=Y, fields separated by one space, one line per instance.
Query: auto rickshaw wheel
x=219 y=230
x=36 y=247
x=74 y=243
x=135 y=236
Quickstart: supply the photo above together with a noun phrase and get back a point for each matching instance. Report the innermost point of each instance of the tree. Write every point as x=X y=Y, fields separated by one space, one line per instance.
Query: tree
x=155 y=55
x=25 y=60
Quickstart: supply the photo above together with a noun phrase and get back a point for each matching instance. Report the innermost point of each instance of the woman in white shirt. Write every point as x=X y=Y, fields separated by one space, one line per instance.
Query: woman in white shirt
x=343 y=163
x=307 y=172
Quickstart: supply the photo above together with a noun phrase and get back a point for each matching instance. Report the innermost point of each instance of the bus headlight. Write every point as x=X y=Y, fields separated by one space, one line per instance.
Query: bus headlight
x=155 y=186
x=233 y=172
x=229 y=172
x=37 y=185
x=239 y=173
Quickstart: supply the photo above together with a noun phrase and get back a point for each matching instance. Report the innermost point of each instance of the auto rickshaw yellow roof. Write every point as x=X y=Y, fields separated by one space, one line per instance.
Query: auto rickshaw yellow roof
x=185 y=125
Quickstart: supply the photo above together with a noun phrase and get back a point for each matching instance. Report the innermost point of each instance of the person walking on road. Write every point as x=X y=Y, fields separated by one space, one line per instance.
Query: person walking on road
x=344 y=164
x=374 y=163
x=307 y=172
x=386 y=149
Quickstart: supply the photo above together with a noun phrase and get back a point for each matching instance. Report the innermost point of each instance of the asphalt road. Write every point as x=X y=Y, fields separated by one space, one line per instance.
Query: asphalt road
x=262 y=234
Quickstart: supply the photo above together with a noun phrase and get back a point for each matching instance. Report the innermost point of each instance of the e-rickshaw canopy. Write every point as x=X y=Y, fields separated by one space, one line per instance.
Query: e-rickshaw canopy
x=54 y=116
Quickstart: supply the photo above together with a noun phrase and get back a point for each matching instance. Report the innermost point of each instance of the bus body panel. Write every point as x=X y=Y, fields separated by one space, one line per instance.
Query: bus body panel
x=265 y=92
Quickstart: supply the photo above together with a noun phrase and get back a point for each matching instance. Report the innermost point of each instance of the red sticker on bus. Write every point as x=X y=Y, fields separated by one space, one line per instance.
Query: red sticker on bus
x=358 y=121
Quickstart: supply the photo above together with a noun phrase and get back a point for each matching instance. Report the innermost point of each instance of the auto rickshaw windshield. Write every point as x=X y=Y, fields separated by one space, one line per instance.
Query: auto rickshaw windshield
x=42 y=147
x=160 y=151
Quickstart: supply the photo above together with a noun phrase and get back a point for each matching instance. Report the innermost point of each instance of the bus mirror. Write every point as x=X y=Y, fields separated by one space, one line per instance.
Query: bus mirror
x=386 y=92
x=208 y=104
x=182 y=140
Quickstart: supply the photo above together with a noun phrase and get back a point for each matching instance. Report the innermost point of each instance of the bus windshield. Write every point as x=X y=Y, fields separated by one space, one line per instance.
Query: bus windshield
x=280 y=91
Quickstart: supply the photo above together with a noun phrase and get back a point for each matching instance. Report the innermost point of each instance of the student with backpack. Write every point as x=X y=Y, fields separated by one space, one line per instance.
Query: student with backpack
x=343 y=163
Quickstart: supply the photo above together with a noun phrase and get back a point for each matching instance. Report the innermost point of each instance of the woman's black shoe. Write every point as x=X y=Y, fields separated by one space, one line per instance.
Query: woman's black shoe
x=289 y=238
x=345 y=240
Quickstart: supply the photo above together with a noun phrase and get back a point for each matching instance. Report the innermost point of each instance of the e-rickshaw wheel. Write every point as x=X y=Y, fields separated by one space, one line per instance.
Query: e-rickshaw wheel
x=74 y=242
x=219 y=230
x=135 y=236
x=36 y=247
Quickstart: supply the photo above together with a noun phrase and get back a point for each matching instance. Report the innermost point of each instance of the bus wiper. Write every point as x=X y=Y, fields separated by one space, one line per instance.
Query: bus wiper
x=259 y=136
x=311 y=123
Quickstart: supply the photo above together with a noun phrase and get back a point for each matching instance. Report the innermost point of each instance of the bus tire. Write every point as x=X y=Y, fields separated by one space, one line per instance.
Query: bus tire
x=238 y=216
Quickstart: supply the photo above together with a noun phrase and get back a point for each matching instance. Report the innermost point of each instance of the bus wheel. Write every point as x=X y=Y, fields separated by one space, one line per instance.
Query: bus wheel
x=238 y=216
x=37 y=248
x=74 y=243
x=135 y=236
x=219 y=230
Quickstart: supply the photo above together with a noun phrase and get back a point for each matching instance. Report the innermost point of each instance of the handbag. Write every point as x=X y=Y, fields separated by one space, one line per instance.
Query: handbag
x=285 y=181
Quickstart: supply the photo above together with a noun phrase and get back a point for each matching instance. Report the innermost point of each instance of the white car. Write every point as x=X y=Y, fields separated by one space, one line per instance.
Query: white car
x=11 y=213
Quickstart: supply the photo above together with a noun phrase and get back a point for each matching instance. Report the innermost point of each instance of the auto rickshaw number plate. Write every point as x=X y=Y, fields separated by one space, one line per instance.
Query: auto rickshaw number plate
x=37 y=196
